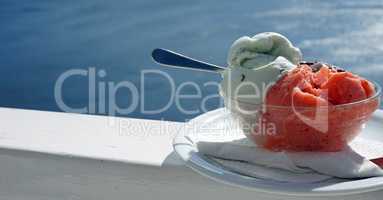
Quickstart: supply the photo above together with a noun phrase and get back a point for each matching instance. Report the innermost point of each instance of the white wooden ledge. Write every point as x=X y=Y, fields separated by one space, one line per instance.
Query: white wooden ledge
x=97 y=137
x=48 y=155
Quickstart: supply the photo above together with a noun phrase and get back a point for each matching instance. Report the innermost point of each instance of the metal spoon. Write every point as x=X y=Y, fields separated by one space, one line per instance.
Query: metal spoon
x=172 y=59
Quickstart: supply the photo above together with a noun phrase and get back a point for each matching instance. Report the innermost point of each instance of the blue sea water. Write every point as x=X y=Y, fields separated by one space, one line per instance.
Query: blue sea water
x=42 y=39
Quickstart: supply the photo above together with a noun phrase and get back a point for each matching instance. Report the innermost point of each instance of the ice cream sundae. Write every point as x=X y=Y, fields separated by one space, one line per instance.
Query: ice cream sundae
x=284 y=103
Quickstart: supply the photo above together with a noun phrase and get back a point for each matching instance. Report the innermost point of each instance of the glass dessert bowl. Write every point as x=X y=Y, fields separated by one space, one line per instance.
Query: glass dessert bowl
x=301 y=128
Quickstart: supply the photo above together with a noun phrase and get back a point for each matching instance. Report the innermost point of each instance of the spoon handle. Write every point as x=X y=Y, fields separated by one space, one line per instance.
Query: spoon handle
x=173 y=59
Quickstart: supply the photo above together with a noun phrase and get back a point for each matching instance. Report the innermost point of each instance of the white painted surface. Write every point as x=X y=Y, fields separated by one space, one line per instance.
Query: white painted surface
x=99 y=137
x=46 y=155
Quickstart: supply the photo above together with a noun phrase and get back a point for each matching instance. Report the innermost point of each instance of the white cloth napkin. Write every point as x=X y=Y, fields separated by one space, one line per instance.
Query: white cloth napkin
x=223 y=141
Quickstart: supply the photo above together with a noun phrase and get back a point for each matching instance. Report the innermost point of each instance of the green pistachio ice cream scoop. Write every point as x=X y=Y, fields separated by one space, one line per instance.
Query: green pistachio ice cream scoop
x=255 y=63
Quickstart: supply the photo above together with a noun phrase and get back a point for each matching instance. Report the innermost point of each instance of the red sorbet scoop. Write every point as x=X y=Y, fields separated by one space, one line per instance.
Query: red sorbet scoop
x=316 y=107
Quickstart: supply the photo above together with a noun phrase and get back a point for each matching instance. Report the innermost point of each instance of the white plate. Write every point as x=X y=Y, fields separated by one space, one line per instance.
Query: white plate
x=213 y=170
